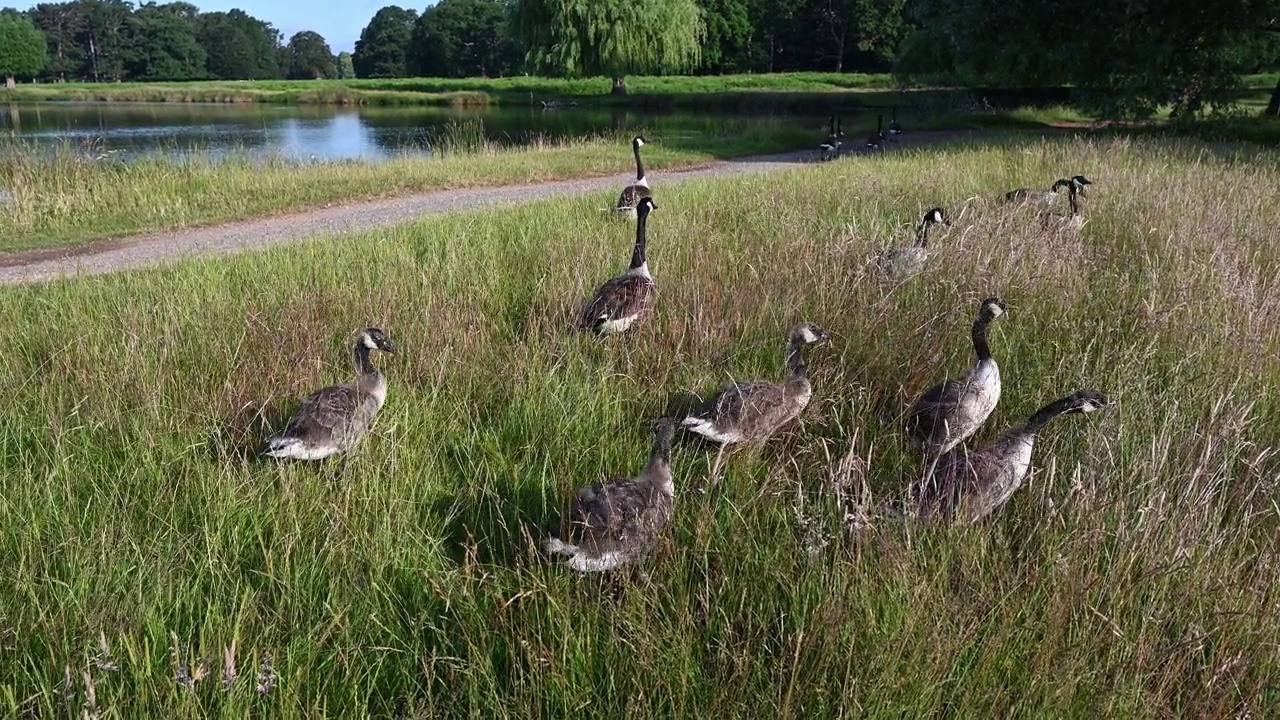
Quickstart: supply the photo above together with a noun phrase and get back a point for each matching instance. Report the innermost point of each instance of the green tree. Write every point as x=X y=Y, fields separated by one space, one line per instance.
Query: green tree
x=22 y=48
x=1126 y=58
x=383 y=46
x=162 y=45
x=104 y=37
x=729 y=35
x=240 y=46
x=346 y=68
x=615 y=38
x=463 y=38
x=310 y=57
x=62 y=23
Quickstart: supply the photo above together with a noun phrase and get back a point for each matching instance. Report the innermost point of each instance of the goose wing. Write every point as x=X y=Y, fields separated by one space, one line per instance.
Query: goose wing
x=324 y=414
x=625 y=296
x=616 y=515
x=741 y=410
x=931 y=418
x=967 y=482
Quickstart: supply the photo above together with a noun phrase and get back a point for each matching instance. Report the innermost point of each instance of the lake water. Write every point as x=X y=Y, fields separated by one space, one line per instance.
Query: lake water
x=327 y=132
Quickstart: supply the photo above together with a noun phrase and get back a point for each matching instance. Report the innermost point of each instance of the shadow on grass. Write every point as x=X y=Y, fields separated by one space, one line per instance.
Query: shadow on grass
x=243 y=436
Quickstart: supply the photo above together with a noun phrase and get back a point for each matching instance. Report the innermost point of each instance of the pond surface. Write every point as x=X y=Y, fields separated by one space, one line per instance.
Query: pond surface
x=330 y=132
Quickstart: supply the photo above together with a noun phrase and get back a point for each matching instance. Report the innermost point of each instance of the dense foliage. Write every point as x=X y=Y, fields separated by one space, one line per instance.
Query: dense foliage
x=22 y=47
x=1123 y=58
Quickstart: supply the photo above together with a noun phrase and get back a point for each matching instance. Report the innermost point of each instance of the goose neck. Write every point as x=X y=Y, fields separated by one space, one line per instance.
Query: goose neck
x=980 y=346
x=360 y=360
x=795 y=361
x=1046 y=414
x=922 y=233
x=635 y=148
x=638 y=260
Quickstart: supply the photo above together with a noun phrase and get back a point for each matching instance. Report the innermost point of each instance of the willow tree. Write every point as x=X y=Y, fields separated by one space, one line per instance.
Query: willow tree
x=614 y=38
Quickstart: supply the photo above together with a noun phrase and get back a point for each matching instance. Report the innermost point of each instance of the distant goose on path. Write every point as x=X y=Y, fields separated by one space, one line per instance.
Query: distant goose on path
x=907 y=261
x=753 y=411
x=627 y=298
x=631 y=194
x=954 y=409
x=830 y=147
x=333 y=419
x=876 y=142
x=972 y=485
x=615 y=521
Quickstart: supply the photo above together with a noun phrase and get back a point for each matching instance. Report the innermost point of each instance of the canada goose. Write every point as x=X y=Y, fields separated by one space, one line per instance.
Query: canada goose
x=894 y=128
x=1071 y=221
x=752 y=411
x=839 y=136
x=1035 y=196
x=830 y=147
x=876 y=142
x=333 y=419
x=909 y=260
x=954 y=409
x=615 y=521
x=631 y=194
x=974 y=484
x=623 y=300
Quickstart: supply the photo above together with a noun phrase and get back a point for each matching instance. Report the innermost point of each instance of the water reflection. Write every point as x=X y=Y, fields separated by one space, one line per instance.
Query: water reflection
x=326 y=132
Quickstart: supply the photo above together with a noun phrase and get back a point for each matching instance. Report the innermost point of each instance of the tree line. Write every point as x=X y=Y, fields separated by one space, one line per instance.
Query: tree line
x=1122 y=56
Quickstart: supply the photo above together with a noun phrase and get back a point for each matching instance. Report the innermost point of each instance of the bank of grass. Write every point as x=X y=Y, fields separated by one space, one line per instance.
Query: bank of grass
x=522 y=90
x=1134 y=576
x=74 y=195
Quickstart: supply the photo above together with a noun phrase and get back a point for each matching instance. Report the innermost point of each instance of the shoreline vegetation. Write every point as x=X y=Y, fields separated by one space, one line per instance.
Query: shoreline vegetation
x=794 y=91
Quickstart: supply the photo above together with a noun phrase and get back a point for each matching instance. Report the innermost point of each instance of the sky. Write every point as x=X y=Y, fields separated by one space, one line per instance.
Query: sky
x=339 y=21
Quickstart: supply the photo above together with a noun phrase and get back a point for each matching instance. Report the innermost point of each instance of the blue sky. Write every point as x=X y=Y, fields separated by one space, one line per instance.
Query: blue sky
x=339 y=21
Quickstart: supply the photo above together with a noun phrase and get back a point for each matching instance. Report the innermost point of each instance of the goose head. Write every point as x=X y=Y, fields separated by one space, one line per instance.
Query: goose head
x=376 y=339
x=637 y=142
x=991 y=309
x=1087 y=401
x=1079 y=181
x=806 y=333
x=645 y=206
x=936 y=216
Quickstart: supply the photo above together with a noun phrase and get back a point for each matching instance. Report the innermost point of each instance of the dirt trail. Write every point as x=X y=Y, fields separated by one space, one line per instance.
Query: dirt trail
x=137 y=251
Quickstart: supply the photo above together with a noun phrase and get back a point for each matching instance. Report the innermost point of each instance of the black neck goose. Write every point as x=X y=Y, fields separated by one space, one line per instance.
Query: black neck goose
x=831 y=146
x=895 y=129
x=972 y=485
x=615 y=521
x=631 y=194
x=909 y=260
x=753 y=411
x=954 y=409
x=333 y=419
x=623 y=300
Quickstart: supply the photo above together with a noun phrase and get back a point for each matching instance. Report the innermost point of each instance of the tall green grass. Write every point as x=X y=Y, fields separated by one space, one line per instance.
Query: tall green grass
x=1135 y=575
x=78 y=193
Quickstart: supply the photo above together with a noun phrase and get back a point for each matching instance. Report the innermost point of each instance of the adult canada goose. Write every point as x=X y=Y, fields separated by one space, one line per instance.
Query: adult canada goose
x=954 y=409
x=1071 y=221
x=1035 y=196
x=839 y=136
x=894 y=128
x=615 y=521
x=623 y=300
x=876 y=142
x=752 y=411
x=909 y=260
x=632 y=193
x=333 y=419
x=974 y=484
x=830 y=147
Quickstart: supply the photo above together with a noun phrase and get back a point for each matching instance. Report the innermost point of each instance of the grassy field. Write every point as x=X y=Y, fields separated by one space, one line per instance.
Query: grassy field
x=1135 y=576
x=72 y=196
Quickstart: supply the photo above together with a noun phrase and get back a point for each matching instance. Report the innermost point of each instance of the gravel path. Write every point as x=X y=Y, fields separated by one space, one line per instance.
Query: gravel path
x=153 y=249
